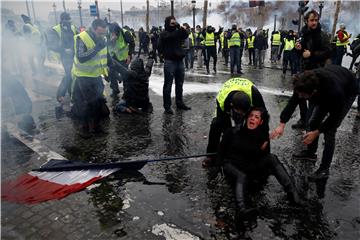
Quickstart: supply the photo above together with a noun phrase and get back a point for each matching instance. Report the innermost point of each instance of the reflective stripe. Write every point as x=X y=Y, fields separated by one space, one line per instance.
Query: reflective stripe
x=250 y=41
x=289 y=44
x=191 y=36
x=234 y=84
x=234 y=40
x=209 y=39
x=338 y=43
x=276 y=39
x=95 y=67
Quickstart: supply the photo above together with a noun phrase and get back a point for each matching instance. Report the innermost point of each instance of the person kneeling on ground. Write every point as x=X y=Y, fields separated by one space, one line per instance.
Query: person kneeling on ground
x=136 y=94
x=243 y=155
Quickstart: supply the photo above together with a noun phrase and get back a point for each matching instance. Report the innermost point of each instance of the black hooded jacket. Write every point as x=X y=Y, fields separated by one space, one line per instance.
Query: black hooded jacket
x=318 y=43
x=170 y=42
x=137 y=91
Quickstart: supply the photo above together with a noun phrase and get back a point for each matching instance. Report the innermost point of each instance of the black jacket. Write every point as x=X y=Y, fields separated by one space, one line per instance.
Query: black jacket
x=170 y=44
x=318 y=43
x=137 y=88
x=260 y=41
x=337 y=84
x=242 y=146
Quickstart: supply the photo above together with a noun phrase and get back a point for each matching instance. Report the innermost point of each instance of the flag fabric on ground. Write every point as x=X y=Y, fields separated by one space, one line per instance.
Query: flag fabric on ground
x=36 y=187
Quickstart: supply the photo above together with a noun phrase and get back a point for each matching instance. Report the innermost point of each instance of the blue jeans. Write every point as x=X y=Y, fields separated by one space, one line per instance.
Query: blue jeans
x=173 y=69
x=235 y=59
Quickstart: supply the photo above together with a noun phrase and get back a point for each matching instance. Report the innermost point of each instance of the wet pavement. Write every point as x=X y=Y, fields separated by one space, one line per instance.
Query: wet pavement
x=180 y=200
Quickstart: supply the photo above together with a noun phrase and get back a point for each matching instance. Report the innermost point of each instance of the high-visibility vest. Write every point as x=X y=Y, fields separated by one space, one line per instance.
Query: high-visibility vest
x=276 y=39
x=234 y=40
x=289 y=44
x=222 y=40
x=338 y=43
x=57 y=29
x=234 y=84
x=120 y=48
x=191 y=36
x=250 y=41
x=209 y=39
x=35 y=33
x=96 y=66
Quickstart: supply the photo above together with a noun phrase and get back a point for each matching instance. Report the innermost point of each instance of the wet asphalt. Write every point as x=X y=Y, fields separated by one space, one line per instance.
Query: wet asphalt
x=127 y=205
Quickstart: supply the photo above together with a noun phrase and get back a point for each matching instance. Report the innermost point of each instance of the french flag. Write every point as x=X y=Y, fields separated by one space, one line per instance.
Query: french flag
x=36 y=187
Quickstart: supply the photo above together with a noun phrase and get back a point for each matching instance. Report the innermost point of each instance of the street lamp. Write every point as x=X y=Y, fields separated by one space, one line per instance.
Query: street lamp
x=172 y=8
x=321 y=6
x=80 y=16
x=54 y=7
x=193 y=3
x=109 y=15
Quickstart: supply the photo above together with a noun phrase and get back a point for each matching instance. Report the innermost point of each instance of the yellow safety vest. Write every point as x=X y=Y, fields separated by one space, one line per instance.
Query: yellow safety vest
x=57 y=29
x=35 y=33
x=289 y=44
x=234 y=40
x=96 y=66
x=191 y=36
x=209 y=39
x=120 y=48
x=234 y=84
x=250 y=41
x=276 y=39
x=338 y=43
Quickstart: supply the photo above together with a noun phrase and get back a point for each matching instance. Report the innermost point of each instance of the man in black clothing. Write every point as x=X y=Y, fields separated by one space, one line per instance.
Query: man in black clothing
x=144 y=41
x=170 y=48
x=314 y=48
x=331 y=91
x=154 y=38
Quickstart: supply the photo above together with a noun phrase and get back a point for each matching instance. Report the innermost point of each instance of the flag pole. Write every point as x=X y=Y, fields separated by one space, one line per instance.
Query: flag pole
x=126 y=165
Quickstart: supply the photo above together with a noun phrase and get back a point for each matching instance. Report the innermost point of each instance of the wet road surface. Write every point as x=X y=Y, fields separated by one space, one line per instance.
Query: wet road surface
x=180 y=200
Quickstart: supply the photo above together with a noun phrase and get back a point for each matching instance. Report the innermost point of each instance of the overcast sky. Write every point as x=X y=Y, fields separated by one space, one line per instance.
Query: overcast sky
x=42 y=8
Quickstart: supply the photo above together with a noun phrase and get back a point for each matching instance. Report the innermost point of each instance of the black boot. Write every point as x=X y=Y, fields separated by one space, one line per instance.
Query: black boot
x=284 y=179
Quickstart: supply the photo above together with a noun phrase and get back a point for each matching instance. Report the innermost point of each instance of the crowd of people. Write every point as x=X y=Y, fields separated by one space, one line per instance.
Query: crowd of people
x=239 y=133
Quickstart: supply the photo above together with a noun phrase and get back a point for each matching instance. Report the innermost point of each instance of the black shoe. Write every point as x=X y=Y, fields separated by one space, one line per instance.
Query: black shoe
x=208 y=71
x=319 y=174
x=240 y=72
x=214 y=69
x=183 y=107
x=305 y=155
x=169 y=111
x=299 y=125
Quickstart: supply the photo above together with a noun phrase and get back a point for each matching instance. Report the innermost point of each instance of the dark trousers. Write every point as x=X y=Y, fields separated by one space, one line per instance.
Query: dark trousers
x=316 y=115
x=89 y=101
x=143 y=47
x=154 y=49
x=189 y=58
x=244 y=173
x=65 y=85
x=288 y=59
x=251 y=56
x=225 y=53
x=210 y=52
x=173 y=70
x=339 y=54
x=235 y=59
